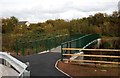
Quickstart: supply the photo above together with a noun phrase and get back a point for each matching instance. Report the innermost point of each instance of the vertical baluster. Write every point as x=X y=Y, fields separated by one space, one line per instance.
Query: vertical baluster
x=36 y=47
x=70 y=47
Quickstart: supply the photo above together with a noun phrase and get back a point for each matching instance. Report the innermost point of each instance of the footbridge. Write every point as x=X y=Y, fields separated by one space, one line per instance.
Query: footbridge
x=78 y=51
x=43 y=64
x=39 y=61
x=81 y=42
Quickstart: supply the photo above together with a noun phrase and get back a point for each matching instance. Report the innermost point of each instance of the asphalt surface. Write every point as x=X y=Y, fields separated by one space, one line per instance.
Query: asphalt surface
x=43 y=64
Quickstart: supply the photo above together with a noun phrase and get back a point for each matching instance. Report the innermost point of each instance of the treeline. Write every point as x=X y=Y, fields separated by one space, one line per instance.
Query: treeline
x=107 y=25
x=101 y=23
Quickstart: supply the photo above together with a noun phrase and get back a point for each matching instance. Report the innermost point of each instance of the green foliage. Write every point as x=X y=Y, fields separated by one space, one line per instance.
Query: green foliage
x=106 y=45
x=101 y=23
x=9 y=24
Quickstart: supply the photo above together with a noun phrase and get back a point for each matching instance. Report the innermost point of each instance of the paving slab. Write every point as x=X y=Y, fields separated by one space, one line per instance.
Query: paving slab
x=7 y=71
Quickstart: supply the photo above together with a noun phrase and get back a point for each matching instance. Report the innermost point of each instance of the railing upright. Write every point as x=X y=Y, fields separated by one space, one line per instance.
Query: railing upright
x=70 y=43
x=36 y=47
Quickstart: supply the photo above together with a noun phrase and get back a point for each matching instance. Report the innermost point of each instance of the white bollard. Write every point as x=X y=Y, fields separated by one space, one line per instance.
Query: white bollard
x=98 y=43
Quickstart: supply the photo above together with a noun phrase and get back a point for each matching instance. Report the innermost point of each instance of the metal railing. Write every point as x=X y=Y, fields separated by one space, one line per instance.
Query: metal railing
x=9 y=61
x=81 y=42
x=32 y=47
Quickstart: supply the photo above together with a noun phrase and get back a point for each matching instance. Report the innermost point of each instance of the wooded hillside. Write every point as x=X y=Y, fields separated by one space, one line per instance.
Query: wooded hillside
x=101 y=23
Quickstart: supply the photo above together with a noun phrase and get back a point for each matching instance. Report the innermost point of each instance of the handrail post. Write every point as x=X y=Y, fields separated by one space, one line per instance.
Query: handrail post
x=46 y=44
x=49 y=47
x=23 y=50
x=36 y=47
x=70 y=47
x=55 y=42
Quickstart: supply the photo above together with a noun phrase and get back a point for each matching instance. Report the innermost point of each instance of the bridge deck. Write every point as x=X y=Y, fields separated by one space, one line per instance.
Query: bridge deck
x=6 y=71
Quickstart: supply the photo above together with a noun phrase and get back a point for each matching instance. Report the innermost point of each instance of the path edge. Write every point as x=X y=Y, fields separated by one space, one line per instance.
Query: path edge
x=56 y=64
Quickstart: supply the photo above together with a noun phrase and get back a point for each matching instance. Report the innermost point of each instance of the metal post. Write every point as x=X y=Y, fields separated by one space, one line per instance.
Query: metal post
x=67 y=47
x=23 y=50
x=3 y=62
x=49 y=47
x=70 y=47
x=77 y=44
x=55 y=42
x=36 y=47
x=45 y=44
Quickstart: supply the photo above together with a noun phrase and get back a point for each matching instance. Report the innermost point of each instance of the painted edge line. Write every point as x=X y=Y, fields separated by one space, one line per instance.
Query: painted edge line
x=60 y=69
x=56 y=64
x=43 y=52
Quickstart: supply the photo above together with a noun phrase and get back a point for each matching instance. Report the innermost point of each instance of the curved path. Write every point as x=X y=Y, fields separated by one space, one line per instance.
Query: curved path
x=43 y=64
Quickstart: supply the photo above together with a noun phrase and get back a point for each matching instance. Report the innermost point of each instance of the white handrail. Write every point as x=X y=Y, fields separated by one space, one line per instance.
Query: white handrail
x=18 y=65
x=92 y=42
x=74 y=57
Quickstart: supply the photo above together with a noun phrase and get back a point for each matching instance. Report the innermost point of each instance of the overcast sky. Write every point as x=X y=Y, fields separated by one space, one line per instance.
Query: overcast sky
x=42 y=10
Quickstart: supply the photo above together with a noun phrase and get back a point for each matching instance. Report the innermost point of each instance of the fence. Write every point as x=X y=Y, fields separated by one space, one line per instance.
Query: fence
x=81 y=42
x=32 y=47
x=106 y=56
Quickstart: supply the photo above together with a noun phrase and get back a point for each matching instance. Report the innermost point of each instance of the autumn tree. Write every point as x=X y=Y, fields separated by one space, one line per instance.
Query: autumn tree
x=9 y=24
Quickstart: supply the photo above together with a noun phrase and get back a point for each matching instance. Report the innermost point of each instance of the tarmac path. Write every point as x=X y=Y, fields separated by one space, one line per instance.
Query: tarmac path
x=43 y=64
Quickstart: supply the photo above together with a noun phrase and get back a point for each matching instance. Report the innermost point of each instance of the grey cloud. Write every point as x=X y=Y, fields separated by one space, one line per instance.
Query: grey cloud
x=92 y=7
x=119 y=5
x=41 y=12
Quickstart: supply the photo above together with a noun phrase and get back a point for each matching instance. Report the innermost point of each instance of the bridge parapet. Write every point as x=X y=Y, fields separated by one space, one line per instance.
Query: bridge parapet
x=82 y=42
x=9 y=61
